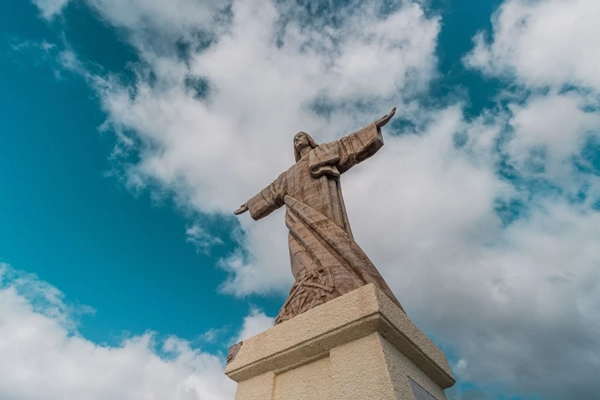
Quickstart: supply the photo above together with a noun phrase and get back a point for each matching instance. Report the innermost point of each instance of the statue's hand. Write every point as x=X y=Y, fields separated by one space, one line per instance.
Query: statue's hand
x=241 y=210
x=386 y=118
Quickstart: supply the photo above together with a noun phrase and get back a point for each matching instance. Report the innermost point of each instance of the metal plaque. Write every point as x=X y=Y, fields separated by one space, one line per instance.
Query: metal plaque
x=419 y=392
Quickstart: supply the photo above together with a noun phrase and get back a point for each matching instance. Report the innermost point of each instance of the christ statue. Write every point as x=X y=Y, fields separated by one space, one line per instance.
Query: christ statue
x=326 y=261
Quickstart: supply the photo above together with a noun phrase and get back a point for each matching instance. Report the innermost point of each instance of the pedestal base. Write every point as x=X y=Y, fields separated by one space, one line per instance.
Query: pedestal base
x=360 y=346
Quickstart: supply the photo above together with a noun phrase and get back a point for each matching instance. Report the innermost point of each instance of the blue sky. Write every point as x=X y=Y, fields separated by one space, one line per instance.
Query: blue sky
x=131 y=131
x=72 y=225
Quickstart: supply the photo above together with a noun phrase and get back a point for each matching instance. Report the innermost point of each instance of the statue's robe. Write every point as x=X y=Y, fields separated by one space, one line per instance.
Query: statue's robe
x=326 y=261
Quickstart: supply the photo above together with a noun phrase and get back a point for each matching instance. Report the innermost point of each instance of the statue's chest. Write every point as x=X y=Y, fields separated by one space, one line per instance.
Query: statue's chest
x=315 y=192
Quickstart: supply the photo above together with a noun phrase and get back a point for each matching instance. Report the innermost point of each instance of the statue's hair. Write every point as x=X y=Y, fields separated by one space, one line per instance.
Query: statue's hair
x=311 y=143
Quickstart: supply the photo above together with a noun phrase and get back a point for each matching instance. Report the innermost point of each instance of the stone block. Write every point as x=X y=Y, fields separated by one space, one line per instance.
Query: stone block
x=360 y=346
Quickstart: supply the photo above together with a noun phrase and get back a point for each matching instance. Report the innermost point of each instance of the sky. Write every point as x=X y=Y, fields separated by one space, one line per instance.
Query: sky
x=131 y=129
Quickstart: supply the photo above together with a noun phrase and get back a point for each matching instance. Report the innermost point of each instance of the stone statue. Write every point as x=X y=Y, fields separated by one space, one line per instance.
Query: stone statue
x=326 y=261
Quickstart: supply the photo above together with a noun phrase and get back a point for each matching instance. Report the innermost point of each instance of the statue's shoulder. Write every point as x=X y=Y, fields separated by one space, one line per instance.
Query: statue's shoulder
x=326 y=149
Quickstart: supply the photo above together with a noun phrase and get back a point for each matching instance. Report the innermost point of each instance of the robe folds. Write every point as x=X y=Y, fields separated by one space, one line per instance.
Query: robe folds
x=326 y=261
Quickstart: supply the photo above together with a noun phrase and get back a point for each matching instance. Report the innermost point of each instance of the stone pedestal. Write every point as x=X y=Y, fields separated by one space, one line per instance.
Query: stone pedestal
x=360 y=346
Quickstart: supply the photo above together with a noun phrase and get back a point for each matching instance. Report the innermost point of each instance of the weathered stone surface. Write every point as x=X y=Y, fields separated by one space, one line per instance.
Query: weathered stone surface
x=326 y=261
x=360 y=346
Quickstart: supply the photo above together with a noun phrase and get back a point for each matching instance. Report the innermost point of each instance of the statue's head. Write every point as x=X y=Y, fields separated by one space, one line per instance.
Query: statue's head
x=303 y=142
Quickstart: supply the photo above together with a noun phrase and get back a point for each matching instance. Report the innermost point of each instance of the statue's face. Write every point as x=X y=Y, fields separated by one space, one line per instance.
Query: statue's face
x=300 y=141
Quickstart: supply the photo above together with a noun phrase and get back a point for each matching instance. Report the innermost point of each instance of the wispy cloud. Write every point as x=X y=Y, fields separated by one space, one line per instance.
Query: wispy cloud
x=49 y=9
x=201 y=239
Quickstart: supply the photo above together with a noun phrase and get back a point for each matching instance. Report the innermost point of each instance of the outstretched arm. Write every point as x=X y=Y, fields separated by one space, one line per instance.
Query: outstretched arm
x=268 y=200
x=362 y=144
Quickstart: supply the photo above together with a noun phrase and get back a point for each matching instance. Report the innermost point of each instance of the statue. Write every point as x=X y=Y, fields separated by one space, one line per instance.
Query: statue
x=326 y=261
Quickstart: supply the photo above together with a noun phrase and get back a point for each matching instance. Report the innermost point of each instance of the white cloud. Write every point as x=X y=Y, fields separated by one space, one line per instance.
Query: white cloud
x=44 y=357
x=254 y=324
x=261 y=265
x=154 y=25
x=553 y=121
x=200 y=238
x=535 y=290
x=549 y=42
x=529 y=316
x=546 y=47
x=549 y=131
x=50 y=8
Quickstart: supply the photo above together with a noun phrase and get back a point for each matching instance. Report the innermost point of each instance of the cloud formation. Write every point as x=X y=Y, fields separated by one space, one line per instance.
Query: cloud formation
x=46 y=358
x=542 y=43
x=255 y=323
x=201 y=239
x=50 y=8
